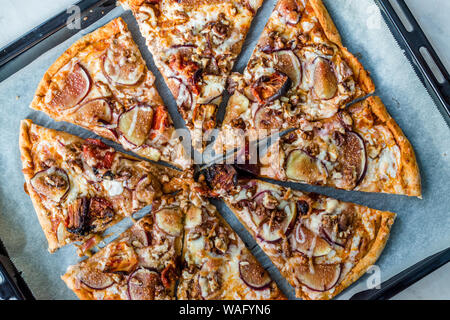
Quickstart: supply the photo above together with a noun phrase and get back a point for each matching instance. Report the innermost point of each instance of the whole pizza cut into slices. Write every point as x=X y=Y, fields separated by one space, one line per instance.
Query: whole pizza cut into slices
x=359 y=148
x=216 y=263
x=80 y=187
x=102 y=84
x=298 y=70
x=194 y=44
x=141 y=264
x=320 y=245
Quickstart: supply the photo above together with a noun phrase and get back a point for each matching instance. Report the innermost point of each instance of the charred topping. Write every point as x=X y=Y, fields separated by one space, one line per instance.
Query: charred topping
x=222 y=177
x=78 y=216
x=87 y=215
x=303 y=207
x=270 y=88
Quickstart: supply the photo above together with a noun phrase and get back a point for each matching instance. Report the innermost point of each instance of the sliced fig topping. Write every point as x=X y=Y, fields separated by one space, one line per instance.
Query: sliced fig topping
x=122 y=66
x=147 y=189
x=135 y=124
x=94 y=279
x=309 y=243
x=237 y=105
x=269 y=88
x=325 y=82
x=52 y=183
x=93 y=112
x=289 y=64
x=75 y=88
x=300 y=166
x=267 y=118
x=170 y=221
x=143 y=284
x=354 y=160
x=193 y=217
x=324 y=277
x=253 y=274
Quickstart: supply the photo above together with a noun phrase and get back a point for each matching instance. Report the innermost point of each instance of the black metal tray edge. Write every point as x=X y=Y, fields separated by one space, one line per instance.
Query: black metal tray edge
x=410 y=42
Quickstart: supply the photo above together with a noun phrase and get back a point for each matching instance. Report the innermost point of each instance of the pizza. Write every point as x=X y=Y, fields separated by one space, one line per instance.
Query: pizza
x=320 y=245
x=194 y=44
x=102 y=84
x=81 y=187
x=141 y=264
x=359 y=148
x=298 y=70
x=216 y=263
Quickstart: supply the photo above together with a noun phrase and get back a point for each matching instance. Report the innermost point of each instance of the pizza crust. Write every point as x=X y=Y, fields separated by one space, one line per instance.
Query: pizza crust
x=362 y=76
x=409 y=172
x=28 y=171
x=112 y=28
x=387 y=219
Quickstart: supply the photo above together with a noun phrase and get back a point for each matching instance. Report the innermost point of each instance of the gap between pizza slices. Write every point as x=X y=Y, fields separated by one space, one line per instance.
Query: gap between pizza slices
x=102 y=84
x=320 y=245
x=81 y=187
x=301 y=77
x=194 y=44
x=151 y=259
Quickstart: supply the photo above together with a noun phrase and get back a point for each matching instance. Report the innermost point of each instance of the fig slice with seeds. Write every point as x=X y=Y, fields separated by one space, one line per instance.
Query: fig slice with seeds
x=135 y=124
x=75 y=88
x=325 y=82
x=324 y=277
x=300 y=166
x=142 y=284
x=289 y=64
x=253 y=274
x=52 y=183
x=95 y=279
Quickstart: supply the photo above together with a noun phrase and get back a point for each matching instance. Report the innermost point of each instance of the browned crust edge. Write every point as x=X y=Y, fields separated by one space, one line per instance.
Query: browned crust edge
x=28 y=171
x=369 y=259
x=333 y=35
x=387 y=219
x=105 y=32
x=410 y=173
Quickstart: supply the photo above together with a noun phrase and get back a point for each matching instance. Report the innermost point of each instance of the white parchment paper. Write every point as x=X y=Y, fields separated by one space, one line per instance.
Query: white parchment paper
x=422 y=226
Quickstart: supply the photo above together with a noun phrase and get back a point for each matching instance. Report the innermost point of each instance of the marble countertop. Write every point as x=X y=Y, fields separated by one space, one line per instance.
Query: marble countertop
x=19 y=16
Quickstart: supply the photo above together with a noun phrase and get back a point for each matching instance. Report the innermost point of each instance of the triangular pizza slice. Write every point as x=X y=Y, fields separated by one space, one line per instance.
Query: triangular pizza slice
x=359 y=148
x=320 y=245
x=216 y=263
x=298 y=70
x=194 y=45
x=102 y=84
x=81 y=187
x=141 y=264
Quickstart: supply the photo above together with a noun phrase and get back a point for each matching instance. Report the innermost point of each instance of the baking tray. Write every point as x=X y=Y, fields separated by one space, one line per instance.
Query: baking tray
x=21 y=52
